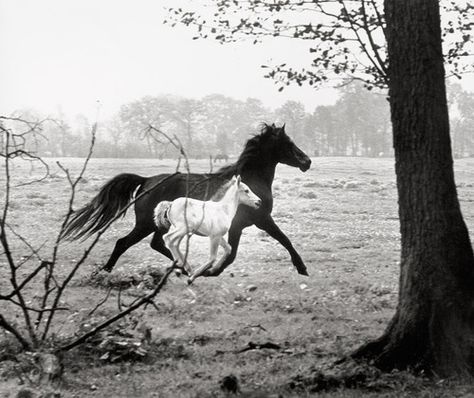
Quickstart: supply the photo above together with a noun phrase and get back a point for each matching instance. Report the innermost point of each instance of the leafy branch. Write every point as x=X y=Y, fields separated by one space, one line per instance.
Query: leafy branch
x=346 y=38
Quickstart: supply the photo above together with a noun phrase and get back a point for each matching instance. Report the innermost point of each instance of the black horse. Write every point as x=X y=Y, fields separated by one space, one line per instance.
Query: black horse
x=256 y=165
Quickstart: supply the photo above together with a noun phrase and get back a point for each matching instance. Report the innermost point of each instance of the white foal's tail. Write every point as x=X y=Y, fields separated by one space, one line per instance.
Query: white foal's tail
x=160 y=215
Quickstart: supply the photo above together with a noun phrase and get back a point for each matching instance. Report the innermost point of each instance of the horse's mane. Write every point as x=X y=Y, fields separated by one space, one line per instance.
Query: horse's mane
x=251 y=153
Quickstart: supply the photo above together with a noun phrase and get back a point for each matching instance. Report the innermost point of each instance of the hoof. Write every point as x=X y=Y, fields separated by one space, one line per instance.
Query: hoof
x=181 y=271
x=303 y=272
x=210 y=272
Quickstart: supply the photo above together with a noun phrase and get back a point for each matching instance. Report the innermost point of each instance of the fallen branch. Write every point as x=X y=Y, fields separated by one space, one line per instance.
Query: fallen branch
x=101 y=302
x=255 y=346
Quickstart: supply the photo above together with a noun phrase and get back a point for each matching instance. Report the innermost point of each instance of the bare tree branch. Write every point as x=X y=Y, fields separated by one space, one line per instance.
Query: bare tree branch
x=9 y=328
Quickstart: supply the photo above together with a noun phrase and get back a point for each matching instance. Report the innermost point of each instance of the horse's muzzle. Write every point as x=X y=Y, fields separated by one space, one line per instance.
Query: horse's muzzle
x=258 y=203
x=305 y=165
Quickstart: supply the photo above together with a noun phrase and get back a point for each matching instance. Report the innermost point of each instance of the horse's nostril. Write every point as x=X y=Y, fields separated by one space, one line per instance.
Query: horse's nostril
x=307 y=164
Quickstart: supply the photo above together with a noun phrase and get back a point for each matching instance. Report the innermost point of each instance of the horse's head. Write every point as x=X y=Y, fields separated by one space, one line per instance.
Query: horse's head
x=284 y=149
x=245 y=194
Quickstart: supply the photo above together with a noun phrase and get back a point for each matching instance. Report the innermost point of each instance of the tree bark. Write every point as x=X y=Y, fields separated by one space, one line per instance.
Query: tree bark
x=433 y=326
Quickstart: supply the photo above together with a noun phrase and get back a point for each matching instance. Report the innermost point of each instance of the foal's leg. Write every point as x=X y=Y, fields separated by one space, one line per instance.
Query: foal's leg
x=227 y=250
x=170 y=242
x=184 y=257
x=235 y=232
x=212 y=258
x=175 y=241
x=158 y=243
x=269 y=226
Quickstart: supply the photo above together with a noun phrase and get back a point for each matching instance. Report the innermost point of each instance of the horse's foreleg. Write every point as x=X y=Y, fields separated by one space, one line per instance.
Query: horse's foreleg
x=212 y=258
x=135 y=236
x=269 y=226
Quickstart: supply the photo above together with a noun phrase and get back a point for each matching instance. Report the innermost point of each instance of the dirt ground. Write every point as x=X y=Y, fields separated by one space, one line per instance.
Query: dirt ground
x=341 y=216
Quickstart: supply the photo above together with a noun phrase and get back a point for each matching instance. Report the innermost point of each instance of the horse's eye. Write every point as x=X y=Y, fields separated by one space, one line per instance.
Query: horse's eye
x=246 y=191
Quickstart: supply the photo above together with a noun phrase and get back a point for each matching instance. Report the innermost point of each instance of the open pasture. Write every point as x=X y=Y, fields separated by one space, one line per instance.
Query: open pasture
x=341 y=216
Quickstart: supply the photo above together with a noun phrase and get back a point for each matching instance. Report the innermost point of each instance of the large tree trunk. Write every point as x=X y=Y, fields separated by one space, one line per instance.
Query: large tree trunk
x=433 y=326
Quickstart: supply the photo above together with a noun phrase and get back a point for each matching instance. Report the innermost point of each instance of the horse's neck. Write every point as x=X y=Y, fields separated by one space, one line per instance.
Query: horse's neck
x=230 y=201
x=269 y=173
x=266 y=173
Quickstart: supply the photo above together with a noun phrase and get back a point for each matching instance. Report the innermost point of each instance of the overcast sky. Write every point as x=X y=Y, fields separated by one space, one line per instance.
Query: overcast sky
x=68 y=54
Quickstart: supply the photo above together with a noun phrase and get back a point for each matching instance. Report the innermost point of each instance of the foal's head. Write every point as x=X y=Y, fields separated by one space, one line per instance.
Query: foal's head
x=245 y=194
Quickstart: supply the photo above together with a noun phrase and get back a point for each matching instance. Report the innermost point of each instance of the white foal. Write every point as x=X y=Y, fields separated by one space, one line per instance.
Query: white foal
x=187 y=216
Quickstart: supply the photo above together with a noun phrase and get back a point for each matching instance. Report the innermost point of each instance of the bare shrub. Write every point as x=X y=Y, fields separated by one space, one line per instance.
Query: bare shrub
x=29 y=315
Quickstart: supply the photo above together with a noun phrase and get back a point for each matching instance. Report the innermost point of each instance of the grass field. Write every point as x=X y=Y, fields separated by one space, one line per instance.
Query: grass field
x=341 y=216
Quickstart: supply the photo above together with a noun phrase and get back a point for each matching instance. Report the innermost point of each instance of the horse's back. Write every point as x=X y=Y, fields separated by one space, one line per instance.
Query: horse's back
x=172 y=186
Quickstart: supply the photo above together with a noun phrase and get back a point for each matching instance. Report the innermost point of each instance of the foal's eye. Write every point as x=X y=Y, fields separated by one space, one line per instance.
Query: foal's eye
x=246 y=191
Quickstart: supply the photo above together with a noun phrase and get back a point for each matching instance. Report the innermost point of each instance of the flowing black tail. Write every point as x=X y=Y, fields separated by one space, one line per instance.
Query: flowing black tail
x=112 y=198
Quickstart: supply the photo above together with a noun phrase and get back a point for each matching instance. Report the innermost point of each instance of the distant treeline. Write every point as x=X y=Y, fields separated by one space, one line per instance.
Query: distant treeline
x=358 y=124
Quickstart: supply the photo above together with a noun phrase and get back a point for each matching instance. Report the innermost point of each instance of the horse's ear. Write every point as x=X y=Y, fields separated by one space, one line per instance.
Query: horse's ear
x=283 y=127
x=273 y=125
x=238 y=180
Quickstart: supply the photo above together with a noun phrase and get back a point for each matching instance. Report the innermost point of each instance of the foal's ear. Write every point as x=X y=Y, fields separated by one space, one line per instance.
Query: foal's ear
x=238 y=180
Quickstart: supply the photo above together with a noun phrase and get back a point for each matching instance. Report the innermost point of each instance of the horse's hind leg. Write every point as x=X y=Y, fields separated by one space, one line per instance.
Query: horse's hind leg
x=157 y=243
x=123 y=244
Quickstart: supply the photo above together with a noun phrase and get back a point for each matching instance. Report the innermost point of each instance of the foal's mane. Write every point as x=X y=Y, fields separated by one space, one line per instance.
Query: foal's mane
x=219 y=194
x=252 y=152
